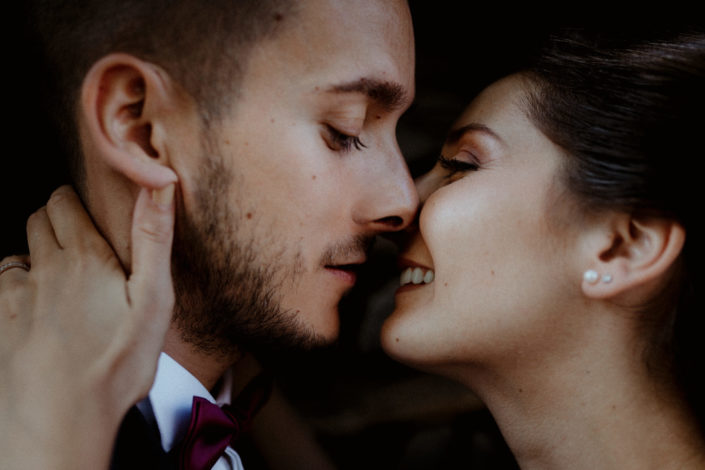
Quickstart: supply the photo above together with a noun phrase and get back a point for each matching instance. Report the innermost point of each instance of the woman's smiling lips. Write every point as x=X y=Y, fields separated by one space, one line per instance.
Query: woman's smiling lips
x=414 y=275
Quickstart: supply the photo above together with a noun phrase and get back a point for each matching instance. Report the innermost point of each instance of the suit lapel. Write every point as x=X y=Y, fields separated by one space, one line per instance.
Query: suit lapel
x=138 y=445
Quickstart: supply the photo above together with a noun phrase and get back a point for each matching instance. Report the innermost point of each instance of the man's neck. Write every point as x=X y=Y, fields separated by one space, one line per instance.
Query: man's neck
x=207 y=368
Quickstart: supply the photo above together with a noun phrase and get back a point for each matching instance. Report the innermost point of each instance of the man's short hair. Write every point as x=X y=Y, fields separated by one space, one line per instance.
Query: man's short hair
x=203 y=45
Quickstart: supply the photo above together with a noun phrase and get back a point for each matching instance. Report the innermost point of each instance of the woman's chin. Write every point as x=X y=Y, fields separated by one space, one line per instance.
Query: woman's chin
x=402 y=339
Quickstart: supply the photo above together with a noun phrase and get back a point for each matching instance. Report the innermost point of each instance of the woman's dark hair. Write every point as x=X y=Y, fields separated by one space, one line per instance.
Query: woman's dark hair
x=630 y=113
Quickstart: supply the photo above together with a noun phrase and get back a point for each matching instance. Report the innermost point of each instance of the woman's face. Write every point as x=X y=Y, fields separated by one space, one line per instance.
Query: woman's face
x=492 y=233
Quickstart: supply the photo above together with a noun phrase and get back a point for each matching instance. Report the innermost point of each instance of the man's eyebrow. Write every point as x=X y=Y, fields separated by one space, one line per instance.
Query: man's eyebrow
x=456 y=134
x=389 y=95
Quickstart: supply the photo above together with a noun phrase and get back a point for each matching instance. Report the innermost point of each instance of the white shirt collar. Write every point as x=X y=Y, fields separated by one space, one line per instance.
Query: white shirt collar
x=171 y=398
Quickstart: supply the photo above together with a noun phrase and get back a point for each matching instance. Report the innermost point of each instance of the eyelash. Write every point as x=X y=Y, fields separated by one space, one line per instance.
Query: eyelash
x=456 y=166
x=343 y=142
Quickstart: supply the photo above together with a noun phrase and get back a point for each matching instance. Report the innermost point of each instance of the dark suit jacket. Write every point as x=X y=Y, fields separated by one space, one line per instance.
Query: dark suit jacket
x=138 y=446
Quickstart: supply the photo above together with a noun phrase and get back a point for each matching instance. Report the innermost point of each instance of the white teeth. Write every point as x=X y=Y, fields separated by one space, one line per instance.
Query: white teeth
x=428 y=277
x=416 y=276
x=405 y=277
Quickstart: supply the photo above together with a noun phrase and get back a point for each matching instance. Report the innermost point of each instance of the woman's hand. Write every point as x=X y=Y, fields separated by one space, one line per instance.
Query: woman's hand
x=79 y=339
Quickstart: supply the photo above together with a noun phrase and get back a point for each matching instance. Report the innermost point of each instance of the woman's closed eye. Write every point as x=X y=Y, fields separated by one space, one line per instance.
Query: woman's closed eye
x=342 y=142
x=456 y=167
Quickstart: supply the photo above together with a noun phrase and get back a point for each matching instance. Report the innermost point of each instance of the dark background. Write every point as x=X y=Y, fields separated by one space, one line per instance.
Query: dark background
x=368 y=411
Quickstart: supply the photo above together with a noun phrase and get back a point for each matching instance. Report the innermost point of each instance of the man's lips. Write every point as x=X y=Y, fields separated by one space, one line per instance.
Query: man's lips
x=346 y=272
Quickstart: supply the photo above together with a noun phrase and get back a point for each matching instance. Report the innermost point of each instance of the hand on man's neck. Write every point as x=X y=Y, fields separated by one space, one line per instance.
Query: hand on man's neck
x=207 y=368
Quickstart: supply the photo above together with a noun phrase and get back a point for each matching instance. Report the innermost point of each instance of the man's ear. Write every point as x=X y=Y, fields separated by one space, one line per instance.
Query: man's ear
x=123 y=104
x=626 y=253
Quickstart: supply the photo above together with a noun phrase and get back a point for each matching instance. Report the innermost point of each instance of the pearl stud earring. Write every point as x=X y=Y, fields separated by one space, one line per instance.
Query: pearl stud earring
x=607 y=278
x=590 y=276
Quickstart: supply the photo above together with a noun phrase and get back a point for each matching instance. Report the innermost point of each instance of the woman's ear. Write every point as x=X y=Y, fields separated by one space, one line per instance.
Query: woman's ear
x=626 y=253
x=122 y=108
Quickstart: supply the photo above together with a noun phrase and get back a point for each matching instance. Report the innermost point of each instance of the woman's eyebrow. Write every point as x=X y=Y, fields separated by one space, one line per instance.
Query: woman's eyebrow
x=456 y=134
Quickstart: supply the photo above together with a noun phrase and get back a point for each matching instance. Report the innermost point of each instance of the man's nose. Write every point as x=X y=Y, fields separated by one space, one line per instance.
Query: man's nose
x=389 y=200
x=425 y=185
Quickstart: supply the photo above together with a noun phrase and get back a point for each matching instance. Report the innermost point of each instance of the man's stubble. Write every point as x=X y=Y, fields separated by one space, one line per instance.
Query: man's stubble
x=228 y=296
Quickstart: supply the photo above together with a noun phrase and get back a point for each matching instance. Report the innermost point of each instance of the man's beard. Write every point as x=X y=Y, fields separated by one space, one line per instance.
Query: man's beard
x=227 y=294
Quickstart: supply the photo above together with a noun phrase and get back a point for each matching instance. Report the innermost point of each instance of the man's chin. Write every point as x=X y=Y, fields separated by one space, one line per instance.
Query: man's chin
x=295 y=333
x=323 y=329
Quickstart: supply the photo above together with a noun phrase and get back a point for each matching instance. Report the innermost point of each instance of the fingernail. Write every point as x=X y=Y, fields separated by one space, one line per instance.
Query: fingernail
x=164 y=196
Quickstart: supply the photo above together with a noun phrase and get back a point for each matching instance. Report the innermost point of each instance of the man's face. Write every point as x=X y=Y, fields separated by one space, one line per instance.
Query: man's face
x=288 y=190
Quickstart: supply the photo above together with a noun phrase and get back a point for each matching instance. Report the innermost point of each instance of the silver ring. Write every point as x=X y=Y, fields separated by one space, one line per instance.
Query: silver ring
x=13 y=264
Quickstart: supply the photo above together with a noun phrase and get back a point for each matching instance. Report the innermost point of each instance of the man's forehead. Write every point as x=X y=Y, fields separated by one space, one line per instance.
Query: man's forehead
x=337 y=56
x=359 y=25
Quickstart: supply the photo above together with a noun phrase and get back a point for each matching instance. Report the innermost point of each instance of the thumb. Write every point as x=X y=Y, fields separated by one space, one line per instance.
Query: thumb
x=150 y=286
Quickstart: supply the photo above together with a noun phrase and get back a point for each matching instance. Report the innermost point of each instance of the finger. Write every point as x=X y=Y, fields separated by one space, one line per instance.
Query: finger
x=148 y=175
x=13 y=269
x=72 y=225
x=13 y=290
x=16 y=313
x=150 y=285
x=24 y=259
x=40 y=236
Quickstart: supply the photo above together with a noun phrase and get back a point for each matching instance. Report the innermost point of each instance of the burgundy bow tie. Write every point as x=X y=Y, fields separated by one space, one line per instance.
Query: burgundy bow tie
x=213 y=428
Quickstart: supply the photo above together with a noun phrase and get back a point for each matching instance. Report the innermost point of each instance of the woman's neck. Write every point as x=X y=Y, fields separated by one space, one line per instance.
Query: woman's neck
x=589 y=410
